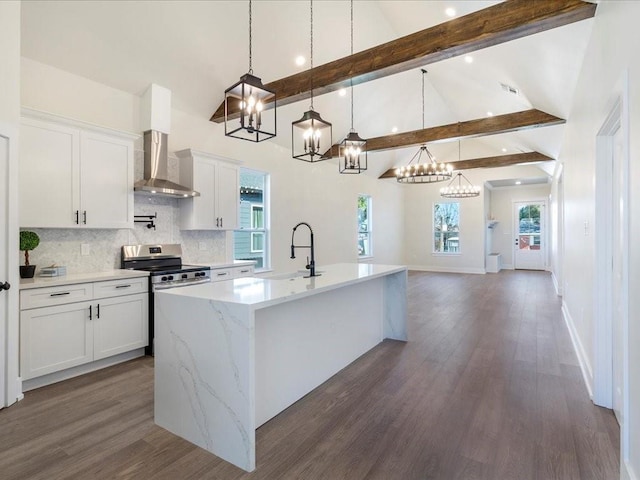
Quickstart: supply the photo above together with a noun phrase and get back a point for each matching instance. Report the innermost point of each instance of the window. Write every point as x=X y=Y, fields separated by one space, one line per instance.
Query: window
x=251 y=240
x=446 y=228
x=364 y=226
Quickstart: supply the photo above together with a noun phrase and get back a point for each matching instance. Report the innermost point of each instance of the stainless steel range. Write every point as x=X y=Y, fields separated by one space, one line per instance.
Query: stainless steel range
x=164 y=262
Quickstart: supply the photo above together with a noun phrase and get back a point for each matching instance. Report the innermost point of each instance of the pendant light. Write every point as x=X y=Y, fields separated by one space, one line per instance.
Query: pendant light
x=353 y=149
x=428 y=172
x=311 y=134
x=466 y=190
x=245 y=116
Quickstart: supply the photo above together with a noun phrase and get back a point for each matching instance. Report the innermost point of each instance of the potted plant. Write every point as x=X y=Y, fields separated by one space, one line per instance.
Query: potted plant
x=28 y=241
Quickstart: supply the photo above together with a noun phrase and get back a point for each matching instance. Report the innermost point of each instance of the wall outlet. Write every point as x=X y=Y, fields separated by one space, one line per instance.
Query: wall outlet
x=202 y=245
x=85 y=249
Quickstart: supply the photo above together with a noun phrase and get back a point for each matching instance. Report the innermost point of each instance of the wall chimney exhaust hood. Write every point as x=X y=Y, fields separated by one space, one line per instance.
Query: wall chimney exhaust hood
x=155 y=110
x=156 y=169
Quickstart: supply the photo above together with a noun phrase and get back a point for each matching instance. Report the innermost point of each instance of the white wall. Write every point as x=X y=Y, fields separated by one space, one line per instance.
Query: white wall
x=611 y=51
x=314 y=193
x=418 y=222
x=502 y=200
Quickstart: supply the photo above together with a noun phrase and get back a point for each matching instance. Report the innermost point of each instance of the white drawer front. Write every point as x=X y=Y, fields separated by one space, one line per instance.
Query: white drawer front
x=51 y=296
x=220 y=274
x=115 y=288
x=243 y=271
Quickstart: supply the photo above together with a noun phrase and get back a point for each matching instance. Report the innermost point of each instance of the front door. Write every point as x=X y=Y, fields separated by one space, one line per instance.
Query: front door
x=530 y=240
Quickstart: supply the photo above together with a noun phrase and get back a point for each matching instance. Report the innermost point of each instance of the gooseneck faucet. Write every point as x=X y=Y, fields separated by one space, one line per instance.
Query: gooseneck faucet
x=311 y=264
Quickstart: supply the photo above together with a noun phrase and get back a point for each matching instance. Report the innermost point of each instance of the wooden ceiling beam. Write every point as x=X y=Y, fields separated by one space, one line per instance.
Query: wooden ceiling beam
x=509 y=122
x=488 y=162
x=500 y=23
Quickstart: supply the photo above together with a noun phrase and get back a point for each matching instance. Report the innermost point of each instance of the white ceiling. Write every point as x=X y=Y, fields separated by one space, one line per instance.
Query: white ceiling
x=199 y=48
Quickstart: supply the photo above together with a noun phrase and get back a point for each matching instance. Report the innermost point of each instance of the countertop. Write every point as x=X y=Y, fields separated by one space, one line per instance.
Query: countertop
x=235 y=263
x=70 y=279
x=267 y=291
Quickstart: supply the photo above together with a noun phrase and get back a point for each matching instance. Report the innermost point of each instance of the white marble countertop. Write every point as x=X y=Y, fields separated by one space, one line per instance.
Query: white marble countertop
x=70 y=279
x=235 y=263
x=267 y=291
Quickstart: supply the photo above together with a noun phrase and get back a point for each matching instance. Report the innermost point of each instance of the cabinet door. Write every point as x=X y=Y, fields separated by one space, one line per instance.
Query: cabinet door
x=106 y=181
x=227 y=196
x=121 y=325
x=49 y=174
x=55 y=338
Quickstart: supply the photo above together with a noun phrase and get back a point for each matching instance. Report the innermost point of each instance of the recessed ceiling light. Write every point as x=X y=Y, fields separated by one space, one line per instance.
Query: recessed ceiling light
x=342 y=92
x=394 y=130
x=504 y=149
x=300 y=60
x=518 y=182
x=468 y=59
x=489 y=114
x=450 y=12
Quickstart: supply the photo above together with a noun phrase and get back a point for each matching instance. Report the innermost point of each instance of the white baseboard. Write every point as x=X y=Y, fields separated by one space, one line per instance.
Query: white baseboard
x=80 y=370
x=583 y=360
x=424 y=268
x=507 y=266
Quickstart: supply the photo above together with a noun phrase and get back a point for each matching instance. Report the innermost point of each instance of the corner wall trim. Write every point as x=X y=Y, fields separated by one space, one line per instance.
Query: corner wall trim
x=583 y=360
x=628 y=472
x=556 y=285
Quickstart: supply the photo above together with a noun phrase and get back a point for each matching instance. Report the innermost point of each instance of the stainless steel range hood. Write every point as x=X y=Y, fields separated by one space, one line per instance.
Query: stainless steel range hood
x=156 y=169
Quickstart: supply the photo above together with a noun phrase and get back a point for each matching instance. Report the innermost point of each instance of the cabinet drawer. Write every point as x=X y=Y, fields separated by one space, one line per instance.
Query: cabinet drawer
x=243 y=272
x=125 y=286
x=219 y=274
x=59 y=295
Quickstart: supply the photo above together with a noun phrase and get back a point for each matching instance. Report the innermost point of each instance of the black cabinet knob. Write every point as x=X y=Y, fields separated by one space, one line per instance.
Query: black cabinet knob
x=5 y=286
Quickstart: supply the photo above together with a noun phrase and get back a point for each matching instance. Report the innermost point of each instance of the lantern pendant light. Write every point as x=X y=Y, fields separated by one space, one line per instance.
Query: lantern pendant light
x=353 y=149
x=311 y=134
x=245 y=113
x=428 y=172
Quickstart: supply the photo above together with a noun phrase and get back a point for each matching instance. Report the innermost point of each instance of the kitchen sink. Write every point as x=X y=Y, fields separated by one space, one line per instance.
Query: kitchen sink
x=290 y=275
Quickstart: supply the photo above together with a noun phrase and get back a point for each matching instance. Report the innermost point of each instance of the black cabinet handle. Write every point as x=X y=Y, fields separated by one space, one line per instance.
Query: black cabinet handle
x=223 y=274
x=77 y=217
x=123 y=286
x=217 y=221
x=98 y=314
x=5 y=286
x=221 y=219
x=59 y=294
x=90 y=312
x=84 y=217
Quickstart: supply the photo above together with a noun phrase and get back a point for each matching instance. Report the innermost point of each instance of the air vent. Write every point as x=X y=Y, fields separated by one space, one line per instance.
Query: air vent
x=510 y=89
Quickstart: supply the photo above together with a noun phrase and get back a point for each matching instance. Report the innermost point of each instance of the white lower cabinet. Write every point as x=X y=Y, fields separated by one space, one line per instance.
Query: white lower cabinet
x=54 y=339
x=121 y=325
x=59 y=335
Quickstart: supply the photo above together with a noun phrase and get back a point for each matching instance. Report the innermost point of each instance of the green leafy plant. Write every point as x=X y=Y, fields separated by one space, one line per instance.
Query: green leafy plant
x=28 y=241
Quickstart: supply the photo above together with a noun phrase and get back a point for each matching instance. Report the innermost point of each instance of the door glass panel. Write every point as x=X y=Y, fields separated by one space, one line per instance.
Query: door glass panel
x=529 y=228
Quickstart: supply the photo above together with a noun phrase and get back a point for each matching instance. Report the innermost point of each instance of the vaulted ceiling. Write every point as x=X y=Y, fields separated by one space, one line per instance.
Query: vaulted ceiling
x=197 y=49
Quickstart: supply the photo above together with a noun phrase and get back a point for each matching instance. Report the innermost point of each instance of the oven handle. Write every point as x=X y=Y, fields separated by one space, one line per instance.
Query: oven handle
x=166 y=286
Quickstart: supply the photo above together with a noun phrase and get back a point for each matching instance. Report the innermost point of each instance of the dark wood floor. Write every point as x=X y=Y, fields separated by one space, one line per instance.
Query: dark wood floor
x=488 y=387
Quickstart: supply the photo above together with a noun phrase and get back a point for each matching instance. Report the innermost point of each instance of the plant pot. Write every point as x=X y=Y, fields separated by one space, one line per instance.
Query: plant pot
x=27 y=271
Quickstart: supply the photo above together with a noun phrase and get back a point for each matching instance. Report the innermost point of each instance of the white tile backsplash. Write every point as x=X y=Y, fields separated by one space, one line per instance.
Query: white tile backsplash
x=62 y=246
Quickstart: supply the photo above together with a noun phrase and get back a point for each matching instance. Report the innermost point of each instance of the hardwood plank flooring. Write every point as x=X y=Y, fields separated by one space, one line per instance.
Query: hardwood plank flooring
x=488 y=387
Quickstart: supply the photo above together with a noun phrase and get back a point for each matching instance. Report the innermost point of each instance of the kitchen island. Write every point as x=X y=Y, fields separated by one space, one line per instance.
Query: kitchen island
x=231 y=355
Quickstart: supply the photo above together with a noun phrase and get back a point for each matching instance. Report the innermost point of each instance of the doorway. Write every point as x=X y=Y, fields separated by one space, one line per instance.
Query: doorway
x=530 y=235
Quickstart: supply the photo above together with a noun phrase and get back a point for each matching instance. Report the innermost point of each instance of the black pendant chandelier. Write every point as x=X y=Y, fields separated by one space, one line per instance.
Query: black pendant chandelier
x=245 y=116
x=311 y=134
x=428 y=172
x=353 y=149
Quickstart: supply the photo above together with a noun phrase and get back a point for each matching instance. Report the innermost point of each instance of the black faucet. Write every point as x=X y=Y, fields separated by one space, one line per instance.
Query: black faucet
x=311 y=265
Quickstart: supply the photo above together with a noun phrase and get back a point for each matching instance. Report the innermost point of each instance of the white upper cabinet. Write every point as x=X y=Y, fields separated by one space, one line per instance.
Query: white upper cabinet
x=218 y=181
x=74 y=175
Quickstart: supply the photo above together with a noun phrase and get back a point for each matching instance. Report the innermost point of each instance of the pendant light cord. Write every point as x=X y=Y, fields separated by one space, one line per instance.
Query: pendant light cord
x=311 y=59
x=423 y=72
x=351 y=79
x=250 y=39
